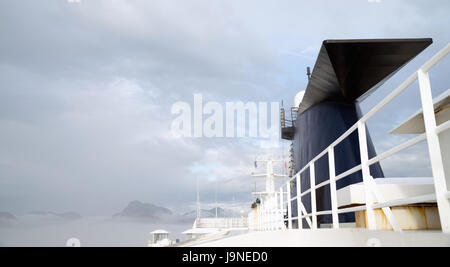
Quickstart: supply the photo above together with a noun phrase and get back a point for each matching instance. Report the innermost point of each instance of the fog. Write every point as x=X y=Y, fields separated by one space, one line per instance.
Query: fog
x=86 y=91
x=32 y=230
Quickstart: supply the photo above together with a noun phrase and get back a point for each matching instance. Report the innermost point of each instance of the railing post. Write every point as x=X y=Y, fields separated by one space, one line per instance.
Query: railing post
x=259 y=216
x=274 y=211
x=264 y=216
x=288 y=187
x=312 y=177
x=366 y=175
x=263 y=225
x=332 y=173
x=269 y=212
x=434 y=149
x=299 y=201
x=266 y=228
x=269 y=216
x=281 y=217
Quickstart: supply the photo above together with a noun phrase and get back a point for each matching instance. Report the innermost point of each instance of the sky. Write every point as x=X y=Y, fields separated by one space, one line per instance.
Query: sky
x=86 y=91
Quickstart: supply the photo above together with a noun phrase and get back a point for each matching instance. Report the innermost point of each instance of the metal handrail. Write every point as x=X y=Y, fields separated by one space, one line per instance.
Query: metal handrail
x=441 y=195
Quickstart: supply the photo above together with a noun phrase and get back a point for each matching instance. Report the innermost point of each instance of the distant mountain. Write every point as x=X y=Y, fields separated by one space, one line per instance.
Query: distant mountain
x=147 y=211
x=7 y=219
x=64 y=215
x=7 y=216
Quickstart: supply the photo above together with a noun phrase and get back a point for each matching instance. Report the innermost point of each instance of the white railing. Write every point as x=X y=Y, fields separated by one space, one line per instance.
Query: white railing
x=271 y=211
x=221 y=223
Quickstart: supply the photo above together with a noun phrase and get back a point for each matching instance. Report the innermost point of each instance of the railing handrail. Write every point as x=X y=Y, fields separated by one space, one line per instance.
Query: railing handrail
x=422 y=75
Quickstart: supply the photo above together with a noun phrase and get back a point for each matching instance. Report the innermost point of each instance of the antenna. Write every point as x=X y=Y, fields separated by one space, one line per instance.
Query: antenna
x=308 y=73
x=198 y=201
x=216 y=197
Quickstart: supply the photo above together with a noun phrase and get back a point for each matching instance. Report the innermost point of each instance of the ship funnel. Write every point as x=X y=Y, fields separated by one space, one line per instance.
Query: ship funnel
x=347 y=71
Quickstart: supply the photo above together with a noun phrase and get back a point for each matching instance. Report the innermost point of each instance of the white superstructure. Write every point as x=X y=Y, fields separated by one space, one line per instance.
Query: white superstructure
x=399 y=204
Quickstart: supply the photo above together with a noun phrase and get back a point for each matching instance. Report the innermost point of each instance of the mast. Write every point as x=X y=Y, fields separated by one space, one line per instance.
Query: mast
x=216 y=197
x=198 y=201
x=269 y=176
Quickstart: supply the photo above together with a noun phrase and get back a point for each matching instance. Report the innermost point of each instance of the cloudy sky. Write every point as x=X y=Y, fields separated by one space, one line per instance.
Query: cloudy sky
x=86 y=91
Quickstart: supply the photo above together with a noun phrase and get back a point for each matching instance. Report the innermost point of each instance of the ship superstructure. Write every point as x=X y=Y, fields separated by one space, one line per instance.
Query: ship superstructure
x=337 y=193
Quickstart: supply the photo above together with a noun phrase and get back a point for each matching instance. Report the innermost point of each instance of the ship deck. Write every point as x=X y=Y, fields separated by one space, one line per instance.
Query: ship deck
x=352 y=237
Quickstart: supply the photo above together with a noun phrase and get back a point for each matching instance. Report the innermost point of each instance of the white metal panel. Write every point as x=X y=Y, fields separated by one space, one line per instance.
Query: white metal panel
x=415 y=124
x=391 y=188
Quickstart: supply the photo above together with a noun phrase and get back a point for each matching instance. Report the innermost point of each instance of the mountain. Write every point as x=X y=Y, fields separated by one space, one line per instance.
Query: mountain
x=147 y=211
x=7 y=216
x=7 y=219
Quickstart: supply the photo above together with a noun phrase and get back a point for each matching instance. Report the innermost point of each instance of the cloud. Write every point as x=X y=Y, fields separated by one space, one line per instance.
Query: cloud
x=86 y=91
